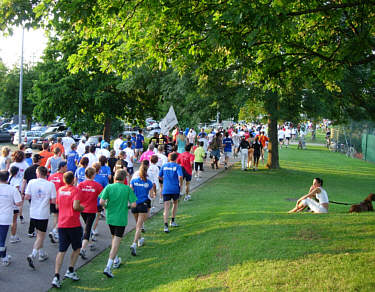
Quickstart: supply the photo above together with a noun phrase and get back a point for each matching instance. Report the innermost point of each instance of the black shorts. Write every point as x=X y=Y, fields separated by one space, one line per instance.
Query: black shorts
x=15 y=212
x=130 y=170
x=185 y=175
x=160 y=181
x=89 y=219
x=100 y=208
x=169 y=197
x=52 y=209
x=281 y=140
x=198 y=166
x=117 y=230
x=142 y=207
x=40 y=225
x=70 y=236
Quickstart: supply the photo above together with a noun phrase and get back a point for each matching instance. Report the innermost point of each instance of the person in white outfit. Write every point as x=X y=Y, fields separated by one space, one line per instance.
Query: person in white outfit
x=244 y=149
x=320 y=205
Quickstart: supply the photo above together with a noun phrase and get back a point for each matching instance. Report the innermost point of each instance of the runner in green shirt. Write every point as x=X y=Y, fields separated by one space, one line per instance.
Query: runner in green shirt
x=199 y=156
x=115 y=198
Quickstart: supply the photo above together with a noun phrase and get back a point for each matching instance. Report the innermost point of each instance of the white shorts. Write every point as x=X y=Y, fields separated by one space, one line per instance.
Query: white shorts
x=228 y=154
x=314 y=206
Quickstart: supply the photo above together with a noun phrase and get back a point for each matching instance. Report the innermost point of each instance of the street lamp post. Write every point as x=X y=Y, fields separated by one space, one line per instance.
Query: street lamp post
x=20 y=94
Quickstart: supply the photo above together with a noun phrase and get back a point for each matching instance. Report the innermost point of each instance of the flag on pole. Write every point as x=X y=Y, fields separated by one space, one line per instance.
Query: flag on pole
x=168 y=122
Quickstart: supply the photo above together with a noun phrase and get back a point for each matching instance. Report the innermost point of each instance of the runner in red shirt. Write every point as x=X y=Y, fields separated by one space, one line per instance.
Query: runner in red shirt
x=57 y=179
x=70 y=230
x=186 y=160
x=90 y=190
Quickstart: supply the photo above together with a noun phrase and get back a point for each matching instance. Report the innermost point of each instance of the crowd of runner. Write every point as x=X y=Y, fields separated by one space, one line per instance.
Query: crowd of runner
x=71 y=181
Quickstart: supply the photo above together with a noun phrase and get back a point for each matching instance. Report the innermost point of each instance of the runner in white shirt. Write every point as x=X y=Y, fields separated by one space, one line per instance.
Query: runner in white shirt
x=288 y=135
x=81 y=147
x=130 y=156
x=281 y=136
x=117 y=144
x=236 y=141
x=162 y=159
x=41 y=192
x=191 y=136
x=91 y=156
x=103 y=151
x=9 y=196
x=67 y=142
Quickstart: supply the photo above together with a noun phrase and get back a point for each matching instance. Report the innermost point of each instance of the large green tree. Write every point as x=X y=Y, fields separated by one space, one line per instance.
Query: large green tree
x=9 y=91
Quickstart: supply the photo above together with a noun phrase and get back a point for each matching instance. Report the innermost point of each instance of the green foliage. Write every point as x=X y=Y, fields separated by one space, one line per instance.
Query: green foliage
x=9 y=91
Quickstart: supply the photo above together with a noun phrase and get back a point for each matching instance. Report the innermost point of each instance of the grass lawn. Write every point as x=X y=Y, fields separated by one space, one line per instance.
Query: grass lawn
x=236 y=235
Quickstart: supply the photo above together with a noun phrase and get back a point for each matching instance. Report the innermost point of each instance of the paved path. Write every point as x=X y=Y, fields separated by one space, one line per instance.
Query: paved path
x=20 y=277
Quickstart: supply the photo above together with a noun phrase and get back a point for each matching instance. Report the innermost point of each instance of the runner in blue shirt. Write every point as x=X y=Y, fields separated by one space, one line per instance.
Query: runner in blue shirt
x=133 y=139
x=139 y=144
x=141 y=187
x=72 y=158
x=79 y=175
x=172 y=176
x=104 y=170
x=227 y=143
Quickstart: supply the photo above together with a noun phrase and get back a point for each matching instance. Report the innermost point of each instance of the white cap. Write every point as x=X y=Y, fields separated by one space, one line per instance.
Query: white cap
x=29 y=151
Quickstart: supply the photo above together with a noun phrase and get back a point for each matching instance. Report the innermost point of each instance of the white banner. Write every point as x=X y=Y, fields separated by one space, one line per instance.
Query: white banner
x=168 y=122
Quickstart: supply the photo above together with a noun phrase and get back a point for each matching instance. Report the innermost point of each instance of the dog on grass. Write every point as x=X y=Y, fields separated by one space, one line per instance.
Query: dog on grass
x=364 y=206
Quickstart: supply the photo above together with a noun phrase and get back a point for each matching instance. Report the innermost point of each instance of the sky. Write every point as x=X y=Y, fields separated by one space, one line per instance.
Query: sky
x=10 y=47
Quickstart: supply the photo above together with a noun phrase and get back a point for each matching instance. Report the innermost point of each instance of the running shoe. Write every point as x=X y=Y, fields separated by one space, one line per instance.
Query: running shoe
x=56 y=282
x=43 y=257
x=187 y=198
x=93 y=237
x=174 y=224
x=107 y=271
x=31 y=234
x=30 y=260
x=5 y=261
x=51 y=236
x=141 y=241
x=94 y=232
x=166 y=229
x=152 y=210
x=117 y=263
x=133 y=249
x=143 y=230
x=14 y=239
x=82 y=253
x=72 y=275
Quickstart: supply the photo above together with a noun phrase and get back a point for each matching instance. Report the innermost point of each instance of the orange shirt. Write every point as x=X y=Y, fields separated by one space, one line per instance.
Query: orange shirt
x=263 y=139
x=58 y=145
x=46 y=154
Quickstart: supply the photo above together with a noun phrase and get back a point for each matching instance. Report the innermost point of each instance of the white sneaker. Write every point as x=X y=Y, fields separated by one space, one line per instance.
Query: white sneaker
x=152 y=210
x=174 y=224
x=51 y=235
x=56 y=282
x=107 y=271
x=5 y=261
x=72 y=276
x=166 y=229
x=30 y=260
x=141 y=242
x=94 y=232
x=43 y=257
x=14 y=239
x=117 y=263
x=133 y=249
x=55 y=234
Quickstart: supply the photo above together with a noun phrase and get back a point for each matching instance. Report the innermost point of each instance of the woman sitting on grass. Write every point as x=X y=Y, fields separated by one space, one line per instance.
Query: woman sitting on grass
x=316 y=191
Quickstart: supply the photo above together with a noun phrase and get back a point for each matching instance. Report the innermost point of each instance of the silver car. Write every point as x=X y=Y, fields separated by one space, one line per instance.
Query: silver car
x=27 y=137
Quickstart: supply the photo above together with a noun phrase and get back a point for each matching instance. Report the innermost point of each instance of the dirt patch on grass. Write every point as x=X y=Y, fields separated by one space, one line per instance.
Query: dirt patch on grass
x=309 y=235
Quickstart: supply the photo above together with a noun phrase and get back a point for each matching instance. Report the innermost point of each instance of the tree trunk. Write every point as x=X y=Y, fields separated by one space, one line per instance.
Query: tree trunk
x=273 y=145
x=313 y=131
x=28 y=121
x=107 y=129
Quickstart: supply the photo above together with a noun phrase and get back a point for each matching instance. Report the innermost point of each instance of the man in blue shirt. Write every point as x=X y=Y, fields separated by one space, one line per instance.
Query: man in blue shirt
x=172 y=176
x=227 y=143
x=139 y=144
x=72 y=158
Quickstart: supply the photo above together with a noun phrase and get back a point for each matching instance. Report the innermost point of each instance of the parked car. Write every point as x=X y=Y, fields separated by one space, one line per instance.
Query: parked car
x=15 y=129
x=5 y=136
x=37 y=143
x=27 y=137
x=151 y=133
x=6 y=126
x=55 y=129
x=41 y=129
x=93 y=140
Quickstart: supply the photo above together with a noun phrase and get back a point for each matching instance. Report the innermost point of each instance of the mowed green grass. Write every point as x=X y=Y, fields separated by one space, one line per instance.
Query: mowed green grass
x=236 y=235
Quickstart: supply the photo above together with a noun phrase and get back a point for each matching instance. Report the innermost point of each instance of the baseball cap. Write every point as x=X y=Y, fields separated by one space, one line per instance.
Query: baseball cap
x=28 y=151
x=38 y=156
x=61 y=164
x=105 y=145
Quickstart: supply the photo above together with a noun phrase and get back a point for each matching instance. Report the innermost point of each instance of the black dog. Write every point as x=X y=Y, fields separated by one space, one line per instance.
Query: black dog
x=364 y=206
